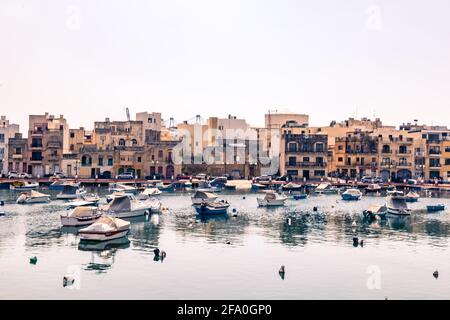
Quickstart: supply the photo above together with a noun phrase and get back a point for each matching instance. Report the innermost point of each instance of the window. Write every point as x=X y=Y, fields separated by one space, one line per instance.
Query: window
x=319 y=173
x=110 y=161
x=18 y=151
x=305 y=159
x=292 y=161
x=72 y=135
x=100 y=161
x=319 y=147
x=121 y=142
x=160 y=154
x=447 y=162
x=86 y=161
x=134 y=142
x=292 y=147
x=139 y=159
x=340 y=159
x=2 y=137
x=340 y=147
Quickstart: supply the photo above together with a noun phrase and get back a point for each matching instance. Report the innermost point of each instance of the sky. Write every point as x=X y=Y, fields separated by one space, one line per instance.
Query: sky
x=330 y=59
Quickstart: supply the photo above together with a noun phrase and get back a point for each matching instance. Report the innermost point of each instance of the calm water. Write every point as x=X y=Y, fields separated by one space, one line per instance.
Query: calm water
x=316 y=249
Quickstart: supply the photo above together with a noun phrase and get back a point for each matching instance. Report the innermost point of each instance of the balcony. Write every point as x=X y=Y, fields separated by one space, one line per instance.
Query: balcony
x=306 y=164
x=385 y=151
x=53 y=144
x=406 y=152
x=36 y=159
x=404 y=164
x=386 y=164
x=37 y=133
x=53 y=158
x=435 y=165
x=35 y=146
x=434 y=152
x=17 y=156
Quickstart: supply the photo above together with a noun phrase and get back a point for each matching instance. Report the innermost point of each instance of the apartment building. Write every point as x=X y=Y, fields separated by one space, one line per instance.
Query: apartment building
x=7 y=131
x=17 y=153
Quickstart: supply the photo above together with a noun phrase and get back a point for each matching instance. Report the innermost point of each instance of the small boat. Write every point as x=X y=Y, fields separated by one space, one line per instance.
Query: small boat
x=229 y=186
x=412 y=197
x=207 y=187
x=352 y=194
x=218 y=182
x=291 y=187
x=201 y=196
x=120 y=187
x=149 y=192
x=271 y=199
x=104 y=229
x=32 y=197
x=24 y=185
x=375 y=211
x=80 y=216
x=326 y=188
x=396 y=204
x=217 y=207
x=300 y=196
x=88 y=199
x=373 y=187
x=127 y=206
x=70 y=191
x=259 y=186
x=435 y=208
x=59 y=185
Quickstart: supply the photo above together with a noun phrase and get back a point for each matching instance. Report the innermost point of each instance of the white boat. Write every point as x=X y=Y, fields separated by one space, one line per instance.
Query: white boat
x=396 y=204
x=374 y=187
x=149 y=193
x=375 y=211
x=119 y=187
x=326 y=188
x=104 y=229
x=70 y=191
x=127 y=206
x=272 y=199
x=33 y=197
x=216 y=207
x=412 y=196
x=352 y=194
x=80 y=216
x=200 y=197
x=24 y=185
x=87 y=199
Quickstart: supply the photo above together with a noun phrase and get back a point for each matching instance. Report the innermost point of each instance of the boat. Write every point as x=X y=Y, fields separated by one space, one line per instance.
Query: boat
x=207 y=187
x=271 y=199
x=127 y=206
x=326 y=188
x=300 y=196
x=104 y=229
x=202 y=196
x=351 y=194
x=291 y=187
x=24 y=185
x=149 y=192
x=70 y=191
x=120 y=243
x=230 y=186
x=166 y=187
x=216 y=207
x=435 y=208
x=412 y=197
x=396 y=204
x=87 y=199
x=80 y=216
x=32 y=197
x=218 y=182
x=373 y=187
x=120 y=187
x=59 y=185
x=375 y=211
x=259 y=186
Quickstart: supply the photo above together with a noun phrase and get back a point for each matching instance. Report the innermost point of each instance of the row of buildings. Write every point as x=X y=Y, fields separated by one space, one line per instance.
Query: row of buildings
x=285 y=145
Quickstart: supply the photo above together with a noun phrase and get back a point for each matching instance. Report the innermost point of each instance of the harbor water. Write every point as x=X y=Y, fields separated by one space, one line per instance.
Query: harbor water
x=227 y=257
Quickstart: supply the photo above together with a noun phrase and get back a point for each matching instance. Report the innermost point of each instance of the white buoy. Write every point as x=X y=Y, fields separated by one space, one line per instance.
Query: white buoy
x=68 y=280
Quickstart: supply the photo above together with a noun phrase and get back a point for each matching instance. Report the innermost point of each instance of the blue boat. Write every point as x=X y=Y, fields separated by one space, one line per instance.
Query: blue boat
x=435 y=208
x=300 y=196
x=219 y=207
x=352 y=194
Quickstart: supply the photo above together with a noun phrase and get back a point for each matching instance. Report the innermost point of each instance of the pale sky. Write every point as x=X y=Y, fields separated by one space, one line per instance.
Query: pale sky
x=330 y=59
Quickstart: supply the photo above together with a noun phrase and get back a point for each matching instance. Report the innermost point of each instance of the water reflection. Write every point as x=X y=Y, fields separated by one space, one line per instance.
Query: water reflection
x=102 y=253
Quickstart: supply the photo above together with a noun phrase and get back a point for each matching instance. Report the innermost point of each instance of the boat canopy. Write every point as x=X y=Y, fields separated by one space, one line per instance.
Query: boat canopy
x=204 y=195
x=104 y=224
x=323 y=186
x=376 y=209
x=270 y=196
x=121 y=203
x=151 y=191
x=36 y=194
x=82 y=212
x=353 y=192
x=397 y=203
x=292 y=185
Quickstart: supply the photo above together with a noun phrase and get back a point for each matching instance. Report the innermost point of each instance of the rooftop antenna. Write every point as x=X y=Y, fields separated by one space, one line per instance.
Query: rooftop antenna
x=128 y=113
x=197 y=118
x=171 y=122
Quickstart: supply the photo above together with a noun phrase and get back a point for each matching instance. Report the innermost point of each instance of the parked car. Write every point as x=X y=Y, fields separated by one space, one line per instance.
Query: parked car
x=125 y=176
x=13 y=175
x=263 y=179
x=366 y=179
x=378 y=180
x=183 y=177
x=59 y=175
x=412 y=181
x=105 y=175
x=25 y=175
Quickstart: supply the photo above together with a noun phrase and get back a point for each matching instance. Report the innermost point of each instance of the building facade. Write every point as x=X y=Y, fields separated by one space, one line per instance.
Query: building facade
x=7 y=131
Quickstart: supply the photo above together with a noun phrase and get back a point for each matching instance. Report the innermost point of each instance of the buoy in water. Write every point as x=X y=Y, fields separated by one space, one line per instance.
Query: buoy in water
x=228 y=242
x=163 y=254
x=2 y=213
x=156 y=252
x=315 y=209
x=361 y=243
x=282 y=272
x=2 y=203
x=288 y=220
x=33 y=260
x=243 y=198
x=436 y=274
x=355 y=241
x=354 y=224
x=68 y=280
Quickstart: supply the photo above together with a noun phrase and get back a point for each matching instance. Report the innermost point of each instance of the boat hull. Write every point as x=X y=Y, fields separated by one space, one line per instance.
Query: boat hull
x=350 y=197
x=34 y=200
x=129 y=214
x=274 y=203
x=97 y=236
x=74 y=222
x=210 y=211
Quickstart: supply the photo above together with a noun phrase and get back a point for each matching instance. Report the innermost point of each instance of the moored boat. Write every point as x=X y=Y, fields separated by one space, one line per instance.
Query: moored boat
x=326 y=188
x=216 y=207
x=373 y=187
x=59 y=185
x=396 y=204
x=271 y=199
x=291 y=187
x=351 y=194
x=412 y=197
x=32 y=197
x=435 y=208
x=375 y=211
x=104 y=229
x=149 y=192
x=80 y=216
x=23 y=185
x=127 y=206
x=120 y=187
x=202 y=196
x=70 y=191
x=300 y=196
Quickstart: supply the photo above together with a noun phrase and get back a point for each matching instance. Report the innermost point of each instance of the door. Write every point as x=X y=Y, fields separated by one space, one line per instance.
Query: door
x=306 y=174
x=92 y=172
